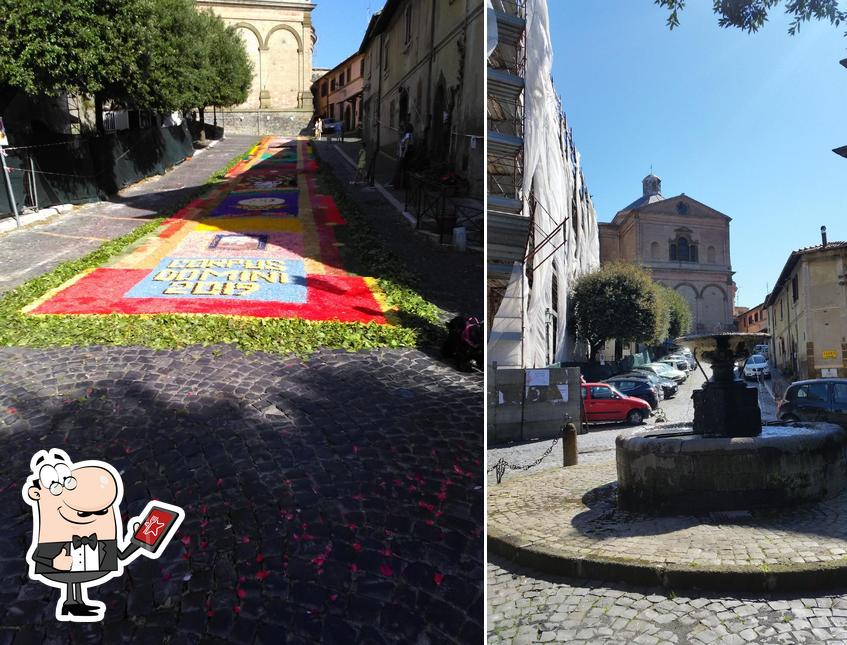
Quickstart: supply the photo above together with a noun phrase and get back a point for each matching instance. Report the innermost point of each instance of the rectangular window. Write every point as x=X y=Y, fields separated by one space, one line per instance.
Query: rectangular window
x=794 y=290
x=362 y=67
x=781 y=312
x=385 y=55
x=408 y=32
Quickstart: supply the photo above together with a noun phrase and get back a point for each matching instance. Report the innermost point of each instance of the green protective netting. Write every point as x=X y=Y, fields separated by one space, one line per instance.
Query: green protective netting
x=73 y=170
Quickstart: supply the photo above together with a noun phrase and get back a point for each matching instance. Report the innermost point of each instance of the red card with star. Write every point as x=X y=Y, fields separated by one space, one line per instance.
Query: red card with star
x=154 y=528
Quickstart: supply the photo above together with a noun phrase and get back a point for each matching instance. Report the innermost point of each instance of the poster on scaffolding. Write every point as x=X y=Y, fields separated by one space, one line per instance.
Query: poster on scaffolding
x=3 y=140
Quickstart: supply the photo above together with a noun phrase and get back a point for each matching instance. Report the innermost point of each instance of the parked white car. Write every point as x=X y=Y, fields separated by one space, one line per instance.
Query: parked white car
x=663 y=370
x=755 y=366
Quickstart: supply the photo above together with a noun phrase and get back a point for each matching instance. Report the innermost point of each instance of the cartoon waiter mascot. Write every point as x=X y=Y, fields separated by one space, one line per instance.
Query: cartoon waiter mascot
x=77 y=539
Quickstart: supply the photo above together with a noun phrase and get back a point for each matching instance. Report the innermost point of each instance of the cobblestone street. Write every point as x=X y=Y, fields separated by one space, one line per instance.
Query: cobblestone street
x=523 y=608
x=337 y=499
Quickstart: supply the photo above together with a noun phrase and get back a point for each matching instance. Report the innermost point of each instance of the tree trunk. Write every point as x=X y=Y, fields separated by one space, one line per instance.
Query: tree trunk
x=594 y=348
x=98 y=113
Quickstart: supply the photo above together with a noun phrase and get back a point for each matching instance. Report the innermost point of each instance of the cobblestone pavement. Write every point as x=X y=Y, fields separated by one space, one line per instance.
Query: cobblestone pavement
x=523 y=608
x=336 y=500
x=573 y=512
x=598 y=444
x=33 y=250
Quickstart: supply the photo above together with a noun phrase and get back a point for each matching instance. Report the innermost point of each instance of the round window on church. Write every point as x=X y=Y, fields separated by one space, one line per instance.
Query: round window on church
x=681 y=208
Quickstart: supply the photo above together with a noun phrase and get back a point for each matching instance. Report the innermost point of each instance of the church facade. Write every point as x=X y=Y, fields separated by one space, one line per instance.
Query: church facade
x=684 y=244
x=279 y=39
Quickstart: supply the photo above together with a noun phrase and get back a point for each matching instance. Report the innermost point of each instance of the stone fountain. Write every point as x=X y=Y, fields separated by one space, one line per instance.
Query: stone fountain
x=726 y=460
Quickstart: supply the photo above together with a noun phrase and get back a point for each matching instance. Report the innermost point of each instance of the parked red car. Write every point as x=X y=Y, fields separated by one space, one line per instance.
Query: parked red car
x=601 y=402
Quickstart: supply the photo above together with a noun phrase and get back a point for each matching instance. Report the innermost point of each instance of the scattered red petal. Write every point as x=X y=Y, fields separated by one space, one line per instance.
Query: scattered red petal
x=241 y=593
x=210 y=613
x=261 y=575
x=438 y=577
x=386 y=570
x=427 y=506
x=387 y=552
x=203 y=545
x=357 y=547
x=358 y=497
x=204 y=524
x=333 y=597
x=166 y=576
x=245 y=539
x=319 y=560
x=441 y=495
x=186 y=540
x=220 y=482
x=352 y=526
x=241 y=578
x=429 y=522
x=186 y=555
x=354 y=568
x=236 y=609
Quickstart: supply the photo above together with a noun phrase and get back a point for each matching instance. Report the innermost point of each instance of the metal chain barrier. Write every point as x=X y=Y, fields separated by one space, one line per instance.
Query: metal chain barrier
x=502 y=465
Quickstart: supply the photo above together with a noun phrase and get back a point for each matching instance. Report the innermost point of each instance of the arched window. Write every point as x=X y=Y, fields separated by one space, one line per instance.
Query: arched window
x=683 y=250
x=710 y=255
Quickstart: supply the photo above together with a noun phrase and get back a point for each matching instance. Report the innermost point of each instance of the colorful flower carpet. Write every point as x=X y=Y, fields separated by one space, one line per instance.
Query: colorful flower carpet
x=263 y=245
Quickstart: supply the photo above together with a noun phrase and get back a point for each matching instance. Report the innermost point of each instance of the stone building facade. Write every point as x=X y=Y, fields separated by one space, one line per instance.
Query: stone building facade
x=423 y=67
x=752 y=321
x=685 y=245
x=279 y=38
x=807 y=310
x=337 y=94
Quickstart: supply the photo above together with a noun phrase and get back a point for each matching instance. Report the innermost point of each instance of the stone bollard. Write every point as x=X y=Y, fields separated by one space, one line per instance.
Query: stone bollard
x=569 y=454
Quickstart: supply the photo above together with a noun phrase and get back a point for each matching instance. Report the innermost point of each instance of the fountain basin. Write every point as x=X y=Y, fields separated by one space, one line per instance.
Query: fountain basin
x=673 y=469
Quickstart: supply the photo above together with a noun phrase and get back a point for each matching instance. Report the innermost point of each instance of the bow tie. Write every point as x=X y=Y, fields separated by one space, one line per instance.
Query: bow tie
x=91 y=541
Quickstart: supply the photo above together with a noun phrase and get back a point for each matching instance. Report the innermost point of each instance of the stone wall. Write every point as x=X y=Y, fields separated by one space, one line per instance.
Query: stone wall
x=260 y=122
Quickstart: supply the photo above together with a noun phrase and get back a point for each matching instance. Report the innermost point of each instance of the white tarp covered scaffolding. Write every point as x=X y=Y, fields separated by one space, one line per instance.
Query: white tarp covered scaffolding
x=563 y=240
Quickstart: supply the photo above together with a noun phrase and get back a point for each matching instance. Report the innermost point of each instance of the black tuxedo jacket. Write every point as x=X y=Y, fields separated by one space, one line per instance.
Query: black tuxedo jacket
x=46 y=551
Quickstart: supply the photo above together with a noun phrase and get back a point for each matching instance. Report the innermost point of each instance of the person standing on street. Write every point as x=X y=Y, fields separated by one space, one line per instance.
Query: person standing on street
x=319 y=126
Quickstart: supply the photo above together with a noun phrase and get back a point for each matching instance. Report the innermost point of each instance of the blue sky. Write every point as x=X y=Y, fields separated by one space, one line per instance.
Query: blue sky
x=745 y=123
x=340 y=25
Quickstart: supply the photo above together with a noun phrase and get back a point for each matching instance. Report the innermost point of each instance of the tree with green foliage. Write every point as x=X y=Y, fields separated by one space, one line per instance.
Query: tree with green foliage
x=617 y=301
x=158 y=55
x=232 y=70
x=70 y=47
x=679 y=313
x=751 y=15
